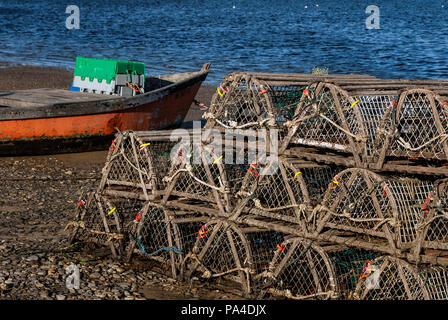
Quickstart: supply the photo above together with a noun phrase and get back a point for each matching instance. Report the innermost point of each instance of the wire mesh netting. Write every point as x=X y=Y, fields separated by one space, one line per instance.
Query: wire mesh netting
x=237 y=252
x=287 y=191
x=328 y=121
x=361 y=201
x=435 y=279
x=163 y=236
x=374 y=129
x=302 y=269
x=420 y=126
x=238 y=102
x=390 y=278
x=106 y=221
x=243 y=101
x=138 y=160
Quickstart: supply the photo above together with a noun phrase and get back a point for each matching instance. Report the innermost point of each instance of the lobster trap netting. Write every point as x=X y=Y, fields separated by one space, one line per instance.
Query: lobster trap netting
x=374 y=129
x=302 y=269
x=217 y=173
x=195 y=173
x=244 y=101
x=164 y=236
x=420 y=126
x=138 y=160
x=390 y=278
x=106 y=221
x=241 y=101
x=349 y=265
x=328 y=120
x=372 y=110
x=435 y=279
x=236 y=252
x=363 y=202
x=433 y=223
x=434 y=229
x=286 y=189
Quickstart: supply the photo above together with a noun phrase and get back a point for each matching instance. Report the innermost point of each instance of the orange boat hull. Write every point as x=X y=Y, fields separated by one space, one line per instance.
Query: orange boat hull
x=166 y=112
x=79 y=133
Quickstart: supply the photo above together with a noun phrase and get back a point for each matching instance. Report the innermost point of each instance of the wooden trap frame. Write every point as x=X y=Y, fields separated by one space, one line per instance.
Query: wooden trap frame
x=304 y=269
x=363 y=202
x=106 y=221
x=236 y=252
x=391 y=278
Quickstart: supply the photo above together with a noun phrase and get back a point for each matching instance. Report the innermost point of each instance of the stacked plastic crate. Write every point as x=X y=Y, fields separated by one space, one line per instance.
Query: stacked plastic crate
x=107 y=76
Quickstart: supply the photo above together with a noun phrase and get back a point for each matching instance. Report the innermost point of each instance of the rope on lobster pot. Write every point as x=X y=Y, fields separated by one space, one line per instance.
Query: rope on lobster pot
x=79 y=224
x=287 y=293
x=358 y=137
x=423 y=224
x=392 y=221
x=209 y=274
x=188 y=169
x=259 y=206
x=122 y=154
x=270 y=122
x=407 y=146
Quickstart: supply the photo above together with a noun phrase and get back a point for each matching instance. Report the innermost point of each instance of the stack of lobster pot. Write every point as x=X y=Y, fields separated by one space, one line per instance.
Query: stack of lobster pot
x=299 y=186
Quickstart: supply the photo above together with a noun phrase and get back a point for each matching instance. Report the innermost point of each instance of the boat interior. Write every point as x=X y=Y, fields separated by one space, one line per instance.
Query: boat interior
x=46 y=96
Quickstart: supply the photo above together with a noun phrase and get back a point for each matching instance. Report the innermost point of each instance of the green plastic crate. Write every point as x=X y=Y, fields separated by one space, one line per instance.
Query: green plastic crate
x=101 y=69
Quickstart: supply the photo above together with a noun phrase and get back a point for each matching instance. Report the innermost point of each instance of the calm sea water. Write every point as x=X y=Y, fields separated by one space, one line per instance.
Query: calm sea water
x=234 y=35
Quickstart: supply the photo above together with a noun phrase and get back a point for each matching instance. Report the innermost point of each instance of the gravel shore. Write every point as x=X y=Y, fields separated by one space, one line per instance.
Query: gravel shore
x=37 y=200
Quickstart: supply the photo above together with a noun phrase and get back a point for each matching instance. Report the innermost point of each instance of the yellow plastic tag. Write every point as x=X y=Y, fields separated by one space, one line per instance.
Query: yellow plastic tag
x=354 y=103
x=112 y=210
x=216 y=161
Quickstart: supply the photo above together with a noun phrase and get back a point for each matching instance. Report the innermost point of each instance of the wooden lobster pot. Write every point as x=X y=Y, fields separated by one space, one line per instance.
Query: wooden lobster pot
x=304 y=269
x=163 y=235
x=137 y=163
x=195 y=176
x=433 y=239
x=243 y=101
x=328 y=118
x=215 y=174
x=106 y=221
x=436 y=281
x=395 y=280
x=300 y=270
x=262 y=99
x=378 y=130
x=286 y=190
x=360 y=201
x=432 y=227
x=236 y=252
x=415 y=128
x=131 y=226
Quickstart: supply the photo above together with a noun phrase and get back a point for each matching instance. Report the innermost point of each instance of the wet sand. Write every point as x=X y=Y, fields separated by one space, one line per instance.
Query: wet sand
x=37 y=201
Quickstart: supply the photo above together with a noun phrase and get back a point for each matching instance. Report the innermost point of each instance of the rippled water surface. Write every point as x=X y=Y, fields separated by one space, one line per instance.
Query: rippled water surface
x=271 y=36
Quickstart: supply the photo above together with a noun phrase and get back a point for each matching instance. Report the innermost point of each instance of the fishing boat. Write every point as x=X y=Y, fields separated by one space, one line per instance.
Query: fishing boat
x=43 y=121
